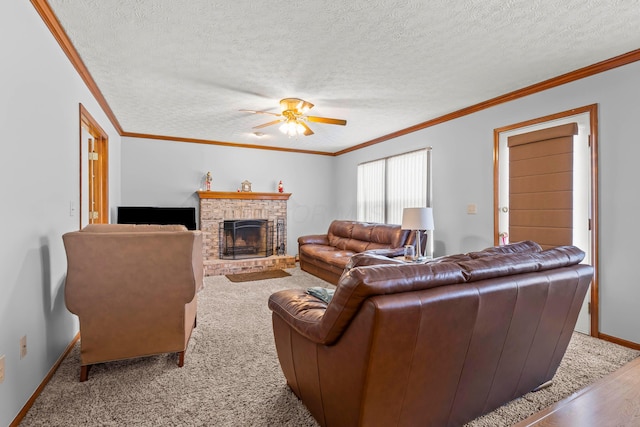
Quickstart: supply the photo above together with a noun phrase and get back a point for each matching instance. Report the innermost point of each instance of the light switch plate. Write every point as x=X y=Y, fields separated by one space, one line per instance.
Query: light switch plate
x=472 y=209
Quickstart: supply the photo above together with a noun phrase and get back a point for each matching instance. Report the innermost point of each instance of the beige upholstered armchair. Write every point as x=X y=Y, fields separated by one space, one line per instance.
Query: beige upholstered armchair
x=134 y=289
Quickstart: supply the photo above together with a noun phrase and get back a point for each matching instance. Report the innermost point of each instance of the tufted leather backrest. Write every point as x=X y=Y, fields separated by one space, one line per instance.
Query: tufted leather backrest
x=361 y=236
x=360 y=283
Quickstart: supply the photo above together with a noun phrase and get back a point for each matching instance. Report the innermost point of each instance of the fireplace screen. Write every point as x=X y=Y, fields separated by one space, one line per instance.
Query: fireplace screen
x=246 y=238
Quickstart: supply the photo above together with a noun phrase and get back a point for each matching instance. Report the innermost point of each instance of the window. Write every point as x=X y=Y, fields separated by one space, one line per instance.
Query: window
x=387 y=186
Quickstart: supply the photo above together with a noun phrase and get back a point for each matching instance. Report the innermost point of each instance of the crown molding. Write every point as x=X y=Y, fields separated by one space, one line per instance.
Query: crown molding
x=47 y=15
x=581 y=73
x=50 y=19
x=223 y=143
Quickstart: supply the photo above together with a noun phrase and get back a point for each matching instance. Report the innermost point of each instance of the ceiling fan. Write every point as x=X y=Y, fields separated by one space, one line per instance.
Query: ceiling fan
x=293 y=117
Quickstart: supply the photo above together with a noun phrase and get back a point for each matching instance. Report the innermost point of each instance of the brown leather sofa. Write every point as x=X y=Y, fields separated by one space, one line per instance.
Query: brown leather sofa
x=134 y=289
x=435 y=344
x=326 y=255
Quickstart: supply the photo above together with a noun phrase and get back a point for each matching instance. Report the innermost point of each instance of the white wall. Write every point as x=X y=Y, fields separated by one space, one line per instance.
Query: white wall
x=167 y=173
x=463 y=174
x=40 y=94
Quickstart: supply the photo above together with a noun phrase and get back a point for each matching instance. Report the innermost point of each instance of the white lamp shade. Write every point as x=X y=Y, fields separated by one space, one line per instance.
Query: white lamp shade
x=417 y=219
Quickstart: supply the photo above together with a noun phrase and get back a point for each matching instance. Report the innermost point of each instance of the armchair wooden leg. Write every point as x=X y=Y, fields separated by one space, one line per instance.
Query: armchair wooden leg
x=84 y=372
x=181 y=359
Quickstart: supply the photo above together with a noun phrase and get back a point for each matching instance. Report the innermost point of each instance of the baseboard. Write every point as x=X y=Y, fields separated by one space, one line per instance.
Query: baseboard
x=619 y=341
x=45 y=381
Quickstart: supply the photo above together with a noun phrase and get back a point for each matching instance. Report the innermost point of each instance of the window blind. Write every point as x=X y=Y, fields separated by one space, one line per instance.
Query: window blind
x=541 y=186
x=387 y=186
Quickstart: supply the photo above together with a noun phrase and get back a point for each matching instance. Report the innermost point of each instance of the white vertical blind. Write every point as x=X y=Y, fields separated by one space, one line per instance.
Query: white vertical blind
x=371 y=191
x=387 y=186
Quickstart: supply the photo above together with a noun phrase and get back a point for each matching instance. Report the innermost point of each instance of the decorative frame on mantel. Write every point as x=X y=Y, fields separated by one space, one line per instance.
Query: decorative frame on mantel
x=248 y=195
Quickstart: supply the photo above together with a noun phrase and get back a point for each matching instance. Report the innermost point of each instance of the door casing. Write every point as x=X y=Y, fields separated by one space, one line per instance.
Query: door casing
x=592 y=110
x=94 y=153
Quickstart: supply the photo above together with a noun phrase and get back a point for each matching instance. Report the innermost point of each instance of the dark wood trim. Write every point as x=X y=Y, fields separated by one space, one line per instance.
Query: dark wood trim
x=592 y=109
x=223 y=143
x=52 y=371
x=103 y=161
x=90 y=122
x=581 y=73
x=101 y=141
x=244 y=195
x=619 y=341
x=80 y=169
x=595 y=221
x=50 y=19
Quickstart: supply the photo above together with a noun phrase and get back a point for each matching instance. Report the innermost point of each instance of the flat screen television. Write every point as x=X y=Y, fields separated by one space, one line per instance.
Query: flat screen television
x=157 y=215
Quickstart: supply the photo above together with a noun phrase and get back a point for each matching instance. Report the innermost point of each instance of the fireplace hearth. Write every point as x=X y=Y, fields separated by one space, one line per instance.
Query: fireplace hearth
x=246 y=238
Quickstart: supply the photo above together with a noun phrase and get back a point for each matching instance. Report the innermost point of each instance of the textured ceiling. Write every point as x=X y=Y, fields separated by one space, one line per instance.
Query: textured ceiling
x=184 y=68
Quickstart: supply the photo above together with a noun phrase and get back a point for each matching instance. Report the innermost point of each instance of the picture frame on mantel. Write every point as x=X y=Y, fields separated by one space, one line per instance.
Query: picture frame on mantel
x=245 y=186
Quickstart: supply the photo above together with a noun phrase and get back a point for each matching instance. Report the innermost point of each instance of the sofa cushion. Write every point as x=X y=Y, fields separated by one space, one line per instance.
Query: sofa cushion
x=523 y=262
x=370 y=258
x=361 y=236
x=359 y=283
x=512 y=248
x=326 y=254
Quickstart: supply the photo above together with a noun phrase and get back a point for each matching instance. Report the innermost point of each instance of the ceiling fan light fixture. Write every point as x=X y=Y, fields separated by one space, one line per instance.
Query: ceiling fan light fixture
x=292 y=128
x=293 y=118
x=295 y=105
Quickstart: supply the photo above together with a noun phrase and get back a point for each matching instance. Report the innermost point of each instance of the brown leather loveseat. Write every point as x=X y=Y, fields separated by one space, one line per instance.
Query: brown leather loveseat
x=435 y=344
x=326 y=255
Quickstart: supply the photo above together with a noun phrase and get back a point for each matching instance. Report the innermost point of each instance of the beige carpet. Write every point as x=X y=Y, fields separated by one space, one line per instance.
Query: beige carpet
x=231 y=375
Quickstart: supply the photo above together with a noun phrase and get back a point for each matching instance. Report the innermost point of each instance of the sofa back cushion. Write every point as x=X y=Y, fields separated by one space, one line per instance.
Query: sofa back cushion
x=512 y=248
x=360 y=283
x=361 y=236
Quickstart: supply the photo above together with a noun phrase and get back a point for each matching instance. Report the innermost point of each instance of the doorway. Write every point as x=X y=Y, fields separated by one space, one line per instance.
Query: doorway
x=94 y=171
x=584 y=192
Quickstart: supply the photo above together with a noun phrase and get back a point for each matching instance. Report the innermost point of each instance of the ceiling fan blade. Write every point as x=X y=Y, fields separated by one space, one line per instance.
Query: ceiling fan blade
x=307 y=129
x=261 y=112
x=327 y=120
x=264 y=125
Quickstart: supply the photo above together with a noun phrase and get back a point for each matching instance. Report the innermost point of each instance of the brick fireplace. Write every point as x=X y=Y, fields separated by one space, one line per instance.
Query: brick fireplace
x=218 y=206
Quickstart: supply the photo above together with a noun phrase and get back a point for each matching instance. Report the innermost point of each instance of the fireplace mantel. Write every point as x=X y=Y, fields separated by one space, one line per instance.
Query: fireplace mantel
x=244 y=195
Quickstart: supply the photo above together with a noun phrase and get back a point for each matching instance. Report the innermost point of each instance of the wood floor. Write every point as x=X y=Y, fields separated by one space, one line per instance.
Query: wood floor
x=612 y=401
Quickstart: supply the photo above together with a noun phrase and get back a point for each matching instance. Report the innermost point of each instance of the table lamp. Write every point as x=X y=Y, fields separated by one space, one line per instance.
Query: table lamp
x=417 y=219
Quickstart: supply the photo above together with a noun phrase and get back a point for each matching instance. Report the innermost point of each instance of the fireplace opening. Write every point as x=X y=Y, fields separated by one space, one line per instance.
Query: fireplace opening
x=246 y=238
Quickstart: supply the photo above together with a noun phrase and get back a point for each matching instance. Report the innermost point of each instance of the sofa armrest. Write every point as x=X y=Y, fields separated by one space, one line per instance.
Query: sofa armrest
x=390 y=253
x=303 y=312
x=372 y=257
x=314 y=239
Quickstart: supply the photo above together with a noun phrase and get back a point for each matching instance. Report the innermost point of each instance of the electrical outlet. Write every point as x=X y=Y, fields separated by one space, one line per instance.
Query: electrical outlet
x=472 y=209
x=23 y=347
x=1 y=369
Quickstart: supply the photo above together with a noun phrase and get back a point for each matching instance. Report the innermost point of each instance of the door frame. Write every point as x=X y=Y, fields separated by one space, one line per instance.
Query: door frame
x=101 y=146
x=592 y=109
